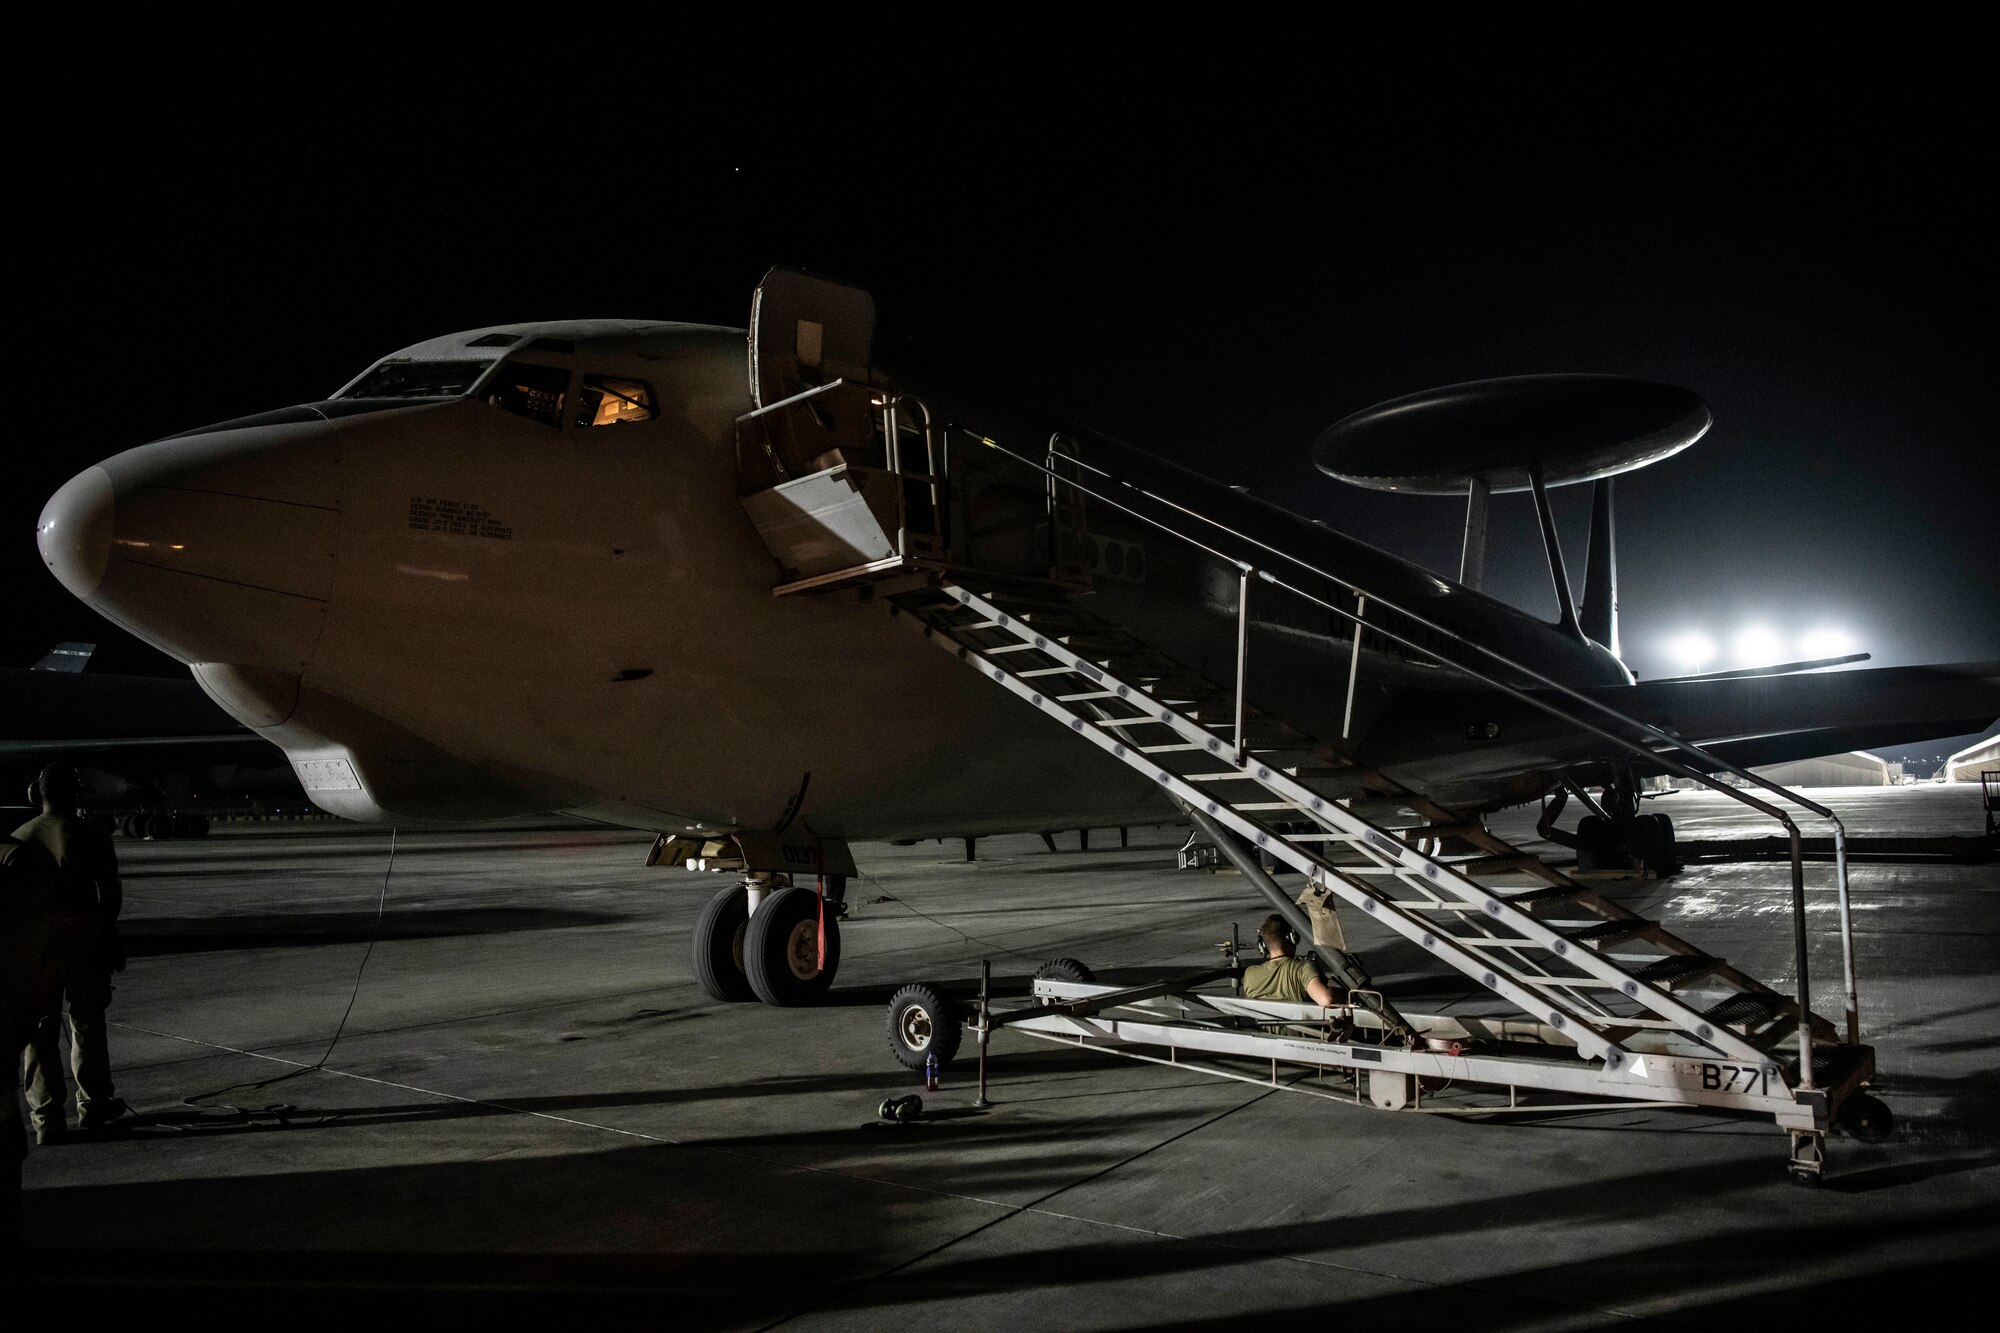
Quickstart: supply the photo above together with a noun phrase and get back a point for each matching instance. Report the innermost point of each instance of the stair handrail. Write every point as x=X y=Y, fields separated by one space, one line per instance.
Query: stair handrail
x=1651 y=755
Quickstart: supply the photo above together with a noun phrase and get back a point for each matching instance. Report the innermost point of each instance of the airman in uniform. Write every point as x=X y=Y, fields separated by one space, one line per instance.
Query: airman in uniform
x=27 y=895
x=1283 y=975
x=86 y=949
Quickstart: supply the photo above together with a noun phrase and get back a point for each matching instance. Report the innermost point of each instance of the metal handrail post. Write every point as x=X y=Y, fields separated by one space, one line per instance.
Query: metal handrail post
x=893 y=455
x=985 y=1027
x=1846 y=933
x=1353 y=668
x=1243 y=573
x=931 y=468
x=1799 y=949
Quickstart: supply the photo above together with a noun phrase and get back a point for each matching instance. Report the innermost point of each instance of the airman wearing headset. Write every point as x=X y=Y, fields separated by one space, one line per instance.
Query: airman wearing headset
x=27 y=889
x=86 y=951
x=1283 y=975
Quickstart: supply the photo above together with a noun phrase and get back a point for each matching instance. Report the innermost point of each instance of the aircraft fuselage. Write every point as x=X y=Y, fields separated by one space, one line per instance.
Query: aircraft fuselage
x=441 y=608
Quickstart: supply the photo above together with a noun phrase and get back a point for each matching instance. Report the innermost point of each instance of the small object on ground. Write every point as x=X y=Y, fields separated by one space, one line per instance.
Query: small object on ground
x=901 y=1110
x=931 y=1073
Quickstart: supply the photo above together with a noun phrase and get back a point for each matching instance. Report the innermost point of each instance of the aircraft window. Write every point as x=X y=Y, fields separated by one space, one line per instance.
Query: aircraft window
x=531 y=391
x=613 y=402
x=418 y=379
x=495 y=340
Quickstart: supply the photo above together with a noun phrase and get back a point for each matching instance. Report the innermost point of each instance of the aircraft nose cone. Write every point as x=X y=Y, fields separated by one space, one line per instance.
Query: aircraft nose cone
x=217 y=549
x=74 y=531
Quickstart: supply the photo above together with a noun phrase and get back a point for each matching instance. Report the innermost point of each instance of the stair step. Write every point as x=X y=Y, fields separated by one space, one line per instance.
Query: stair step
x=1191 y=700
x=1016 y=603
x=1066 y=622
x=1088 y=645
x=1150 y=664
x=1228 y=728
x=1496 y=865
x=1678 y=967
x=1607 y=933
x=1314 y=774
x=1555 y=893
x=1748 y=1008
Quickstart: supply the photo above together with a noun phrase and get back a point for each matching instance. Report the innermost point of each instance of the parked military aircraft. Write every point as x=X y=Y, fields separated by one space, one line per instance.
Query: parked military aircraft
x=154 y=754
x=532 y=568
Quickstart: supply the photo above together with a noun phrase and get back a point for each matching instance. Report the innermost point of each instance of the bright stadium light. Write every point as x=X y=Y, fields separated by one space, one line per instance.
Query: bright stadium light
x=1758 y=645
x=1693 y=650
x=1827 y=643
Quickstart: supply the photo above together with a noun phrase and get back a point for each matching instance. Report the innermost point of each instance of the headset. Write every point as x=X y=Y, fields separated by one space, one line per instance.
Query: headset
x=62 y=776
x=1285 y=934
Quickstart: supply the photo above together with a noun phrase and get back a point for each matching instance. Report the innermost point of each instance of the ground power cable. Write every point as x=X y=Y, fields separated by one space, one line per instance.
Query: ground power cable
x=1017 y=1210
x=887 y=896
x=282 y=1110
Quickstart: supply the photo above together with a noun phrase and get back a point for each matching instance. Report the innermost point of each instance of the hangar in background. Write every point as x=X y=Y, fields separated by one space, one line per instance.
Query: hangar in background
x=1969 y=763
x=1853 y=768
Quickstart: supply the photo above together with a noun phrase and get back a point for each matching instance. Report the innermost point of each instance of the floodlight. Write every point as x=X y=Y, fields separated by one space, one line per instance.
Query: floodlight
x=1693 y=650
x=1758 y=645
x=1827 y=643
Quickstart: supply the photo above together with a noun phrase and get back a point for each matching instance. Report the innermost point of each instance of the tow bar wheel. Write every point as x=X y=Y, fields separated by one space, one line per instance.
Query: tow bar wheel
x=922 y=1022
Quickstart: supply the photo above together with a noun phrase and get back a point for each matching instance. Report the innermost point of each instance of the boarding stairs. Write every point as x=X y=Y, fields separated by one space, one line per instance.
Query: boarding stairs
x=1559 y=950
x=885 y=503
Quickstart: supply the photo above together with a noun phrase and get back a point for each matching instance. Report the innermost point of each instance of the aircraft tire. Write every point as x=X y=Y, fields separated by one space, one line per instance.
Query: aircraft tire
x=158 y=826
x=1669 y=856
x=923 y=1022
x=1589 y=842
x=718 y=946
x=781 y=949
x=1065 y=969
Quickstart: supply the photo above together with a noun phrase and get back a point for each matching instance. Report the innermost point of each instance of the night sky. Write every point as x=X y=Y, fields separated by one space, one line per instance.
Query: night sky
x=1214 y=280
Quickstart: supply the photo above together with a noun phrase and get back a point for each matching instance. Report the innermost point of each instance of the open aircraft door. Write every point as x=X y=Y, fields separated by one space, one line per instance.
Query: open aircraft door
x=806 y=332
x=848 y=477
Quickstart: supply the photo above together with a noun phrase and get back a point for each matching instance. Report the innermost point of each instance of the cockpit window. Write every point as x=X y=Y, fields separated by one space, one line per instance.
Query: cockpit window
x=418 y=379
x=531 y=391
x=605 y=401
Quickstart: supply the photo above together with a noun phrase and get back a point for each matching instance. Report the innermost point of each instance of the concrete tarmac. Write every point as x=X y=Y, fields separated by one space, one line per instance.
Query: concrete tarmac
x=533 y=1108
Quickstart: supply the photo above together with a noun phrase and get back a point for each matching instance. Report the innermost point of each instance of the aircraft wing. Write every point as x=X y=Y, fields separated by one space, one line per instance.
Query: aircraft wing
x=1480 y=747
x=1772 y=719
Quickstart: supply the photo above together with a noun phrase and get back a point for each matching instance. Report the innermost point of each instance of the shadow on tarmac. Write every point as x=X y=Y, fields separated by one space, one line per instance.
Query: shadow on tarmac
x=359 y=1238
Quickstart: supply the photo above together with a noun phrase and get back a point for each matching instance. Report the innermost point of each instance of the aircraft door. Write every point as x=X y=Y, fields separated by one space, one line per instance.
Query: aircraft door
x=807 y=331
x=1070 y=558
